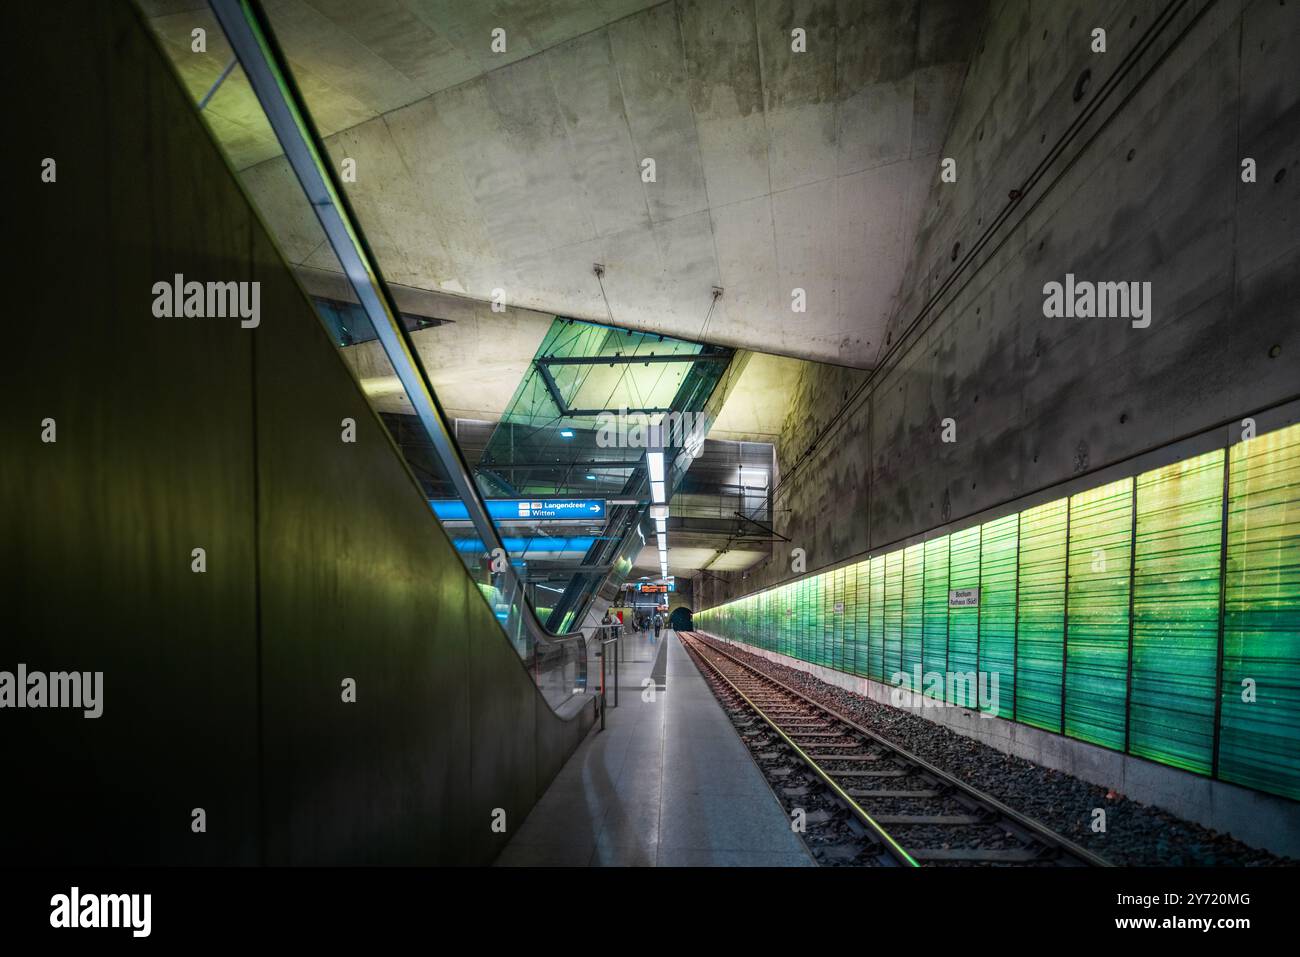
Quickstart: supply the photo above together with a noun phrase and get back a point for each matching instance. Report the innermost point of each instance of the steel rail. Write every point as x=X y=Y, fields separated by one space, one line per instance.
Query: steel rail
x=1038 y=830
x=895 y=849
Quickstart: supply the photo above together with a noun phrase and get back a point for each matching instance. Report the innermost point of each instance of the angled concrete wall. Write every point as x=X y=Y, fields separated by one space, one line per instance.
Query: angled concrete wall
x=1146 y=188
x=221 y=690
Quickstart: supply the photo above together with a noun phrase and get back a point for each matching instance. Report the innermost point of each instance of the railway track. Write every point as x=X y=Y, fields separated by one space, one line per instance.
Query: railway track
x=914 y=813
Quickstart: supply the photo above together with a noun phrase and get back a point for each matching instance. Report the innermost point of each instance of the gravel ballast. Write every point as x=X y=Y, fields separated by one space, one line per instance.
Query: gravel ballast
x=1135 y=835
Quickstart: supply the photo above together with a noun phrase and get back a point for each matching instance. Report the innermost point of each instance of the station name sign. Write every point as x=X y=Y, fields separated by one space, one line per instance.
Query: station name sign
x=963 y=597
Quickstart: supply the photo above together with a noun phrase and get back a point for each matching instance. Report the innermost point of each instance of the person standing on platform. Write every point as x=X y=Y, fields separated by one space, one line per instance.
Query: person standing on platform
x=659 y=623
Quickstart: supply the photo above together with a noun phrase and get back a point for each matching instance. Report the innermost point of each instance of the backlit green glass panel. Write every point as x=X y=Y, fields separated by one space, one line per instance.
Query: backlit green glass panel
x=786 y=612
x=1096 y=657
x=776 y=609
x=934 y=657
x=913 y=612
x=814 y=637
x=807 y=621
x=859 y=588
x=801 y=615
x=789 y=620
x=862 y=616
x=876 y=627
x=893 y=616
x=1176 y=612
x=830 y=621
x=833 y=619
x=821 y=591
x=792 y=620
x=997 y=643
x=845 y=622
x=1259 y=740
x=963 y=623
x=812 y=619
x=1040 y=640
x=817 y=619
x=768 y=620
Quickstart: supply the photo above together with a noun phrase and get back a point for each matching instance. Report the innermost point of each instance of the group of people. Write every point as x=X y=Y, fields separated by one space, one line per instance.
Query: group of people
x=613 y=626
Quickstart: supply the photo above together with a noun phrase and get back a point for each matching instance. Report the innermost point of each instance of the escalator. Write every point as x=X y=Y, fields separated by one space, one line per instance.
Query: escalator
x=212 y=524
x=557 y=661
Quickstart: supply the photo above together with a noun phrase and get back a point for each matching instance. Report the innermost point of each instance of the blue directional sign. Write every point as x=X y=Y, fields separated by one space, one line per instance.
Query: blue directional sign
x=515 y=510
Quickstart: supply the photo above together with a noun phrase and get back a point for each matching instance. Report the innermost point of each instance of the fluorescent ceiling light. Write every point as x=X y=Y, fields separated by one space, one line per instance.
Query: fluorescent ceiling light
x=658 y=512
x=590 y=477
x=661 y=526
x=657 y=492
x=566 y=433
x=655 y=462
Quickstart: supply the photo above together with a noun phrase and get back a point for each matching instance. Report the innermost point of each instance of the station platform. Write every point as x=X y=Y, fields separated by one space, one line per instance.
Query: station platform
x=668 y=783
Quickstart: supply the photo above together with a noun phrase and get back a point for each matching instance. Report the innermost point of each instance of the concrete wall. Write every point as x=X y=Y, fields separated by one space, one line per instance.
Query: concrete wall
x=221 y=690
x=1145 y=187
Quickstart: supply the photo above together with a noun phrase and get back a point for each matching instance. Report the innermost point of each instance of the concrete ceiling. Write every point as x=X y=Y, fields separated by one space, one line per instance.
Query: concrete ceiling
x=758 y=403
x=356 y=61
x=475 y=360
x=479 y=171
x=687 y=560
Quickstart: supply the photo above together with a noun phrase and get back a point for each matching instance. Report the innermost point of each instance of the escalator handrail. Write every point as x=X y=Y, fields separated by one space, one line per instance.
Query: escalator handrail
x=250 y=35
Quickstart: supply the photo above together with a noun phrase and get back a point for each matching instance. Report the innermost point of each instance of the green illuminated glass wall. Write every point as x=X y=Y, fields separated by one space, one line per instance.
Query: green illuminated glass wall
x=934 y=615
x=963 y=622
x=1040 y=635
x=843 y=645
x=876 y=622
x=1157 y=615
x=1259 y=692
x=861 y=617
x=999 y=561
x=913 y=618
x=893 y=662
x=1097 y=628
x=1176 y=586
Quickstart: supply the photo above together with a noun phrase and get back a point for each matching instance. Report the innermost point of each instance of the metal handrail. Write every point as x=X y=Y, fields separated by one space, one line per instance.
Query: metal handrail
x=249 y=32
x=605 y=642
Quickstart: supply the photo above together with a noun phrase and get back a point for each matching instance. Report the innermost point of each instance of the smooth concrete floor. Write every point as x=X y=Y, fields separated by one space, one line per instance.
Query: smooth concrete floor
x=668 y=783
